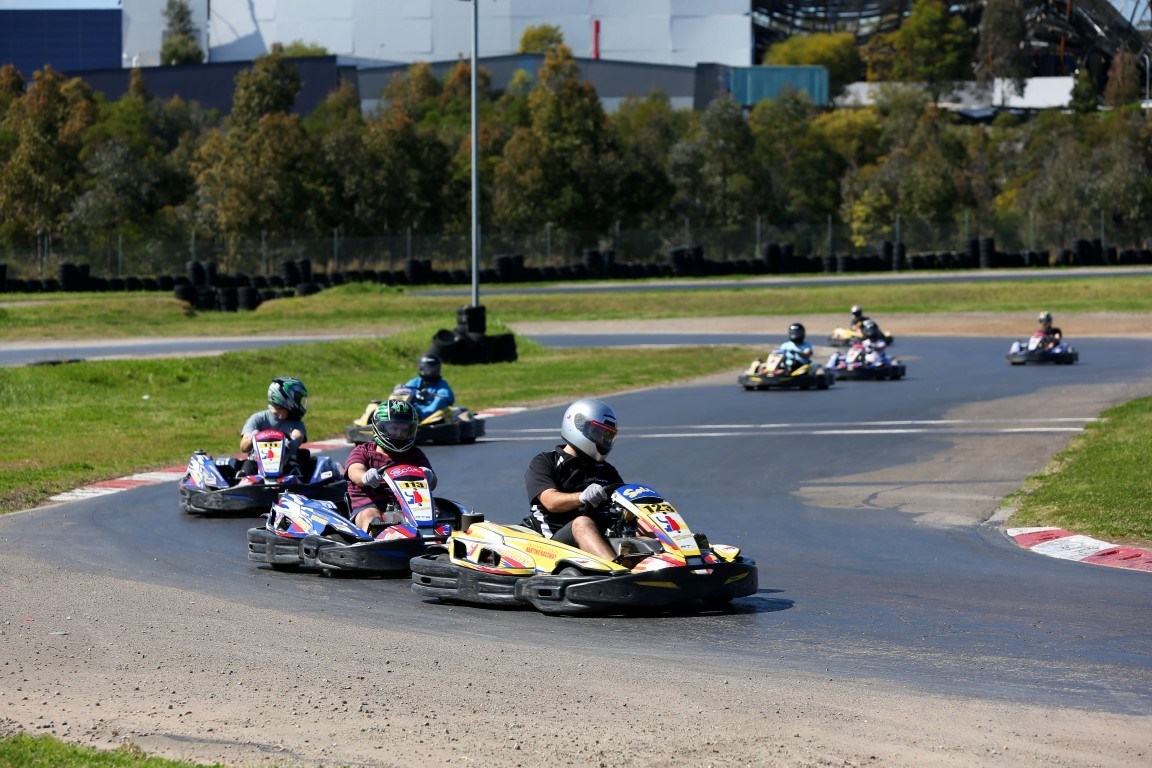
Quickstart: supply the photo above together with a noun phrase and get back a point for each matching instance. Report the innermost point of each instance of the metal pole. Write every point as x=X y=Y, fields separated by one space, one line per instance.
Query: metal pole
x=548 y=240
x=830 y=254
x=119 y=255
x=758 y=221
x=475 y=162
x=335 y=249
x=1032 y=230
x=264 y=250
x=616 y=245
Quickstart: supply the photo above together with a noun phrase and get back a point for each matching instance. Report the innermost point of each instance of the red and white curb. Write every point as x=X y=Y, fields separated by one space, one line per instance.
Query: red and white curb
x=174 y=474
x=1057 y=542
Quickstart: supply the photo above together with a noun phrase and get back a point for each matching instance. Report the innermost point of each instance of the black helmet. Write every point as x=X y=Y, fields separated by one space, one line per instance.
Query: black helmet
x=394 y=426
x=1044 y=318
x=796 y=333
x=429 y=367
x=870 y=329
x=290 y=394
x=857 y=312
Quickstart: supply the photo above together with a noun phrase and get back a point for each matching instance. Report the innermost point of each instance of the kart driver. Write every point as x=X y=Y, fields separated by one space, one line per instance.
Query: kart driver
x=431 y=391
x=287 y=404
x=1052 y=335
x=858 y=318
x=796 y=351
x=394 y=442
x=874 y=343
x=566 y=485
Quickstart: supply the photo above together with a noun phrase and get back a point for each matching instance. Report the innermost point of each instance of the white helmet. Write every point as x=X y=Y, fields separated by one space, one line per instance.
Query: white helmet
x=589 y=426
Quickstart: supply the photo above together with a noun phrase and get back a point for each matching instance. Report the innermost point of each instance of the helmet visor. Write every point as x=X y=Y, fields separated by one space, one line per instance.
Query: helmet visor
x=399 y=431
x=602 y=435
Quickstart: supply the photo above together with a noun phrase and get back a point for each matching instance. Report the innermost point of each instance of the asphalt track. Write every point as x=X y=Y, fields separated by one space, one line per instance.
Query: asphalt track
x=863 y=506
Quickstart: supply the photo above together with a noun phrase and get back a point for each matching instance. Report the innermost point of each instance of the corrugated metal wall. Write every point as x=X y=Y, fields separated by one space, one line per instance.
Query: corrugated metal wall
x=68 y=39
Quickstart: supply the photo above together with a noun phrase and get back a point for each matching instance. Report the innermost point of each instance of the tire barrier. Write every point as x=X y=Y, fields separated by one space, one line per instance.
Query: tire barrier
x=773 y=258
x=457 y=348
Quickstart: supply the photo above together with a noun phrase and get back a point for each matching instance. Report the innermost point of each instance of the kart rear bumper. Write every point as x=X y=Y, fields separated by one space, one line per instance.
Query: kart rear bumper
x=866 y=373
x=255 y=499
x=762 y=381
x=1059 y=358
x=436 y=577
x=328 y=554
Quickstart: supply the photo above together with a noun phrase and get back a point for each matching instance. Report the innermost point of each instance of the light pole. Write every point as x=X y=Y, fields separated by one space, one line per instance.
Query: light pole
x=475 y=161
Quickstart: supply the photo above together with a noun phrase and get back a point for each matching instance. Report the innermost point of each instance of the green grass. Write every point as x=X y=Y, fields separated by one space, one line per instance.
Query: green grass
x=363 y=307
x=72 y=424
x=1099 y=485
x=23 y=751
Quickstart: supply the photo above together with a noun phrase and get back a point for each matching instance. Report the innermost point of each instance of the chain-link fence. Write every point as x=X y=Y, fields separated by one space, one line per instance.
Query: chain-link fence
x=555 y=253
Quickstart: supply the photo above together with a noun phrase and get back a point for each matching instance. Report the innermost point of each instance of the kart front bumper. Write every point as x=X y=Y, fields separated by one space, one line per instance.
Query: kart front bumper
x=319 y=553
x=437 y=577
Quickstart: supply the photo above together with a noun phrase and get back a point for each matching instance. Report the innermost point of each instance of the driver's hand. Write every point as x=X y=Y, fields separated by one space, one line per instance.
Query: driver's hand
x=593 y=496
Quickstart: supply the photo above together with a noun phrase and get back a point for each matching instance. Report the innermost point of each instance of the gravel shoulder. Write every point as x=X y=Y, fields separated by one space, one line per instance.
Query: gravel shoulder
x=103 y=661
x=187 y=676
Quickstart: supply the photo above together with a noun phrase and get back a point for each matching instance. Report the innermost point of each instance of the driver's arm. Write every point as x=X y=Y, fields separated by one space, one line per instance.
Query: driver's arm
x=246 y=442
x=559 y=502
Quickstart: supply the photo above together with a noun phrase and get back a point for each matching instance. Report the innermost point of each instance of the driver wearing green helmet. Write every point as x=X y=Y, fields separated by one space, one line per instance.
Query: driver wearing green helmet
x=287 y=404
x=394 y=442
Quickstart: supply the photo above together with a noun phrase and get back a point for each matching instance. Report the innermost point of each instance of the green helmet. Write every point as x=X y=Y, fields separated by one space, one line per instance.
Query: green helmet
x=290 y=394
x=394 y=426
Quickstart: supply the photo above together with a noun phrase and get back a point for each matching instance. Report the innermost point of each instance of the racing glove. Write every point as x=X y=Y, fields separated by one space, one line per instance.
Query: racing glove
x=372 y=477
x=428 y=473
x=593 y=496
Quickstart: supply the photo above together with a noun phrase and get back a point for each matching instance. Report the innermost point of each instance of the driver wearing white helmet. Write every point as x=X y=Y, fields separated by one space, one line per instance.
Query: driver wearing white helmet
x=566 y=486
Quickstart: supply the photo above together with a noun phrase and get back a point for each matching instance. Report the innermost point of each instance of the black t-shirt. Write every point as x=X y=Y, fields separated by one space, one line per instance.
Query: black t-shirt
x=566 y=473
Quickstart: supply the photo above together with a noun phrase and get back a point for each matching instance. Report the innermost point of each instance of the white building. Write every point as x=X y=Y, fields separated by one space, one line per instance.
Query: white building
x=683 y=32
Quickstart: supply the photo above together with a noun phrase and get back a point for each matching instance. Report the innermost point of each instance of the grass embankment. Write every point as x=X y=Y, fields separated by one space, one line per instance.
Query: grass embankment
x=69 y=425
x=47 y=752
x=1099 y=484
x=365 y=307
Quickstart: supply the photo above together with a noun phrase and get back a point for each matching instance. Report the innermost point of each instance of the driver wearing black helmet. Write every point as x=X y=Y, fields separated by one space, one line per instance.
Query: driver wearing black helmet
x=566 y=486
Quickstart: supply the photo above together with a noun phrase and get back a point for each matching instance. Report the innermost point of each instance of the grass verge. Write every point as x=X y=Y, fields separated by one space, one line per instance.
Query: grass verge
x=1098 y=485
x=46 y=752
x=364 y=307
x=73 y=424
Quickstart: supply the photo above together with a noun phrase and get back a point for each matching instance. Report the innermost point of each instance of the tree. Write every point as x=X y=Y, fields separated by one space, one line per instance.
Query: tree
x=644 y=132
x=716 y=180
x=1123 y=81
x=180 y=45
x=837 y=52
x=540 y=38
x=931 y=46
x=1000 y=52
x=41 y=175
x=552 y=171
x=298 y=49
x=1085 y=93
x=794 y=160
x=268 y=87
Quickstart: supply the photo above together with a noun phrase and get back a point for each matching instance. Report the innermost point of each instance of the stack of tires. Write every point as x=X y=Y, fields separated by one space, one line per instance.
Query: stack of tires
x=469 y=343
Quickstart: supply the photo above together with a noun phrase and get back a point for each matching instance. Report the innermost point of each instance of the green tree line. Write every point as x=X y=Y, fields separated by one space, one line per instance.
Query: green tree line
x=82 y=169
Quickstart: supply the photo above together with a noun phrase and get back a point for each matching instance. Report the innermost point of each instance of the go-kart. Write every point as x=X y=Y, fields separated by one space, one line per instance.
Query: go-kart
x=859 y=363
x=218 y=486
x=846 y=337
x=301 y=532
x=451 y=424
x=776 y=372
x=661 y=562
x=1041 y=348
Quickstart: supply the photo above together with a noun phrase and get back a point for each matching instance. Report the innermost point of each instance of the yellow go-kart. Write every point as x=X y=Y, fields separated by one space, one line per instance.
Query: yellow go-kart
x=777 y=372
x=452 y=424
x=660 y=562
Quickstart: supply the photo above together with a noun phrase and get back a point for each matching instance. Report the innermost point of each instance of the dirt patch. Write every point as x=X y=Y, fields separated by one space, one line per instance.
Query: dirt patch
x=1010 y=326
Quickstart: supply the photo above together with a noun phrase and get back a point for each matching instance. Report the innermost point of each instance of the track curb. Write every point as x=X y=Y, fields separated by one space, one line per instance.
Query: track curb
x=1065 y=545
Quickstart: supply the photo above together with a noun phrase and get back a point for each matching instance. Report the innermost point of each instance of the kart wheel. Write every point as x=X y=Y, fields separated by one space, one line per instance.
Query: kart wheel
x=748 y=388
